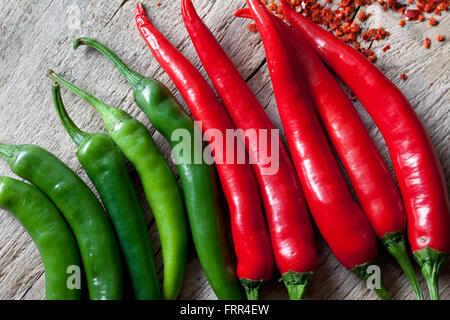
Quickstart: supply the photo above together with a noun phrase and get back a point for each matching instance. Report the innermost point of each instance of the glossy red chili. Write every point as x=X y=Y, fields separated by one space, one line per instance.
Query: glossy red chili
x=249 y=231
x=339 y=219
x=289 y=222
x=373 y=184
x=415 y=162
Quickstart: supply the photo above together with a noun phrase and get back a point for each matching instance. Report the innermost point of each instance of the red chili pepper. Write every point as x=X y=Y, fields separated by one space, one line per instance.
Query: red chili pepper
x=373 y=184
x=250 y=236
x=415 y=162
x=341 y=222
x=287 y=214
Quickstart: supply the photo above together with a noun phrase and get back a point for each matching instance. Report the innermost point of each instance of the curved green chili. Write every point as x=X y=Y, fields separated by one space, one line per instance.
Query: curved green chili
x=106 y=167
x=82 y=210
x=198 y=179
x=160 y=186
x=53 y=238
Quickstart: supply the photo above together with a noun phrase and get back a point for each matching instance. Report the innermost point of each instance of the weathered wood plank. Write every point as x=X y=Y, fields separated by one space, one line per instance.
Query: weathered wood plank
x=37 y=35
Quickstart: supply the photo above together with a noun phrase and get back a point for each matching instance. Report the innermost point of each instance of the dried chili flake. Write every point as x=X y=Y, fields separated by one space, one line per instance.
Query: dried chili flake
x=362 y=16
x=272 y=6
x=412 y=13
x=443 y=6
x=432 y=21
x=440 y=38
x=252 y=27
x=403 y=76
x=372 y=58
x=367 y=36
x=428 y=8
x=340 y=19
x=391 y=3
x=427 y=43
x=279 y=9
x=381 y=34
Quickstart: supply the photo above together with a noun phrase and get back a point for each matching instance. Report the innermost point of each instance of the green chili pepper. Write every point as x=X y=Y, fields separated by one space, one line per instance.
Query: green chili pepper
x=82 y=210
x=106 y=167
x=199 y=183
x=53 y=238
x=160 y=186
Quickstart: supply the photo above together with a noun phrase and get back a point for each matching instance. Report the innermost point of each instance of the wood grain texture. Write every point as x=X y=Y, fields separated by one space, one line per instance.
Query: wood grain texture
x=37 y=34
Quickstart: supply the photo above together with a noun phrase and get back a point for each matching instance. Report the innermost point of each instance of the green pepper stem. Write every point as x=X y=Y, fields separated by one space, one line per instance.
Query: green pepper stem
x=395 y=244
x=296 y=283
x=130 y=75
x=431 y=261
x=251 y=288
x=111 y=116
x=77 y=135
x=361 y=271
x=9 y=152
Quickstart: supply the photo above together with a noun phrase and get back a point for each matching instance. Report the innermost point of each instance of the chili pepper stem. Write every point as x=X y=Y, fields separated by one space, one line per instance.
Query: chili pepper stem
x=251 y=288
x=8 y=152
x=111 y=116
x=133 y=78
x=74 y=132
x=362 y=272
x=395 y=244
x=431 y=261
x=296 y=283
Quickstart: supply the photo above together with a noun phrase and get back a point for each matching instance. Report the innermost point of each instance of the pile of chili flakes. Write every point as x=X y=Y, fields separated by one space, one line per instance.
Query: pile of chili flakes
x=345 y=25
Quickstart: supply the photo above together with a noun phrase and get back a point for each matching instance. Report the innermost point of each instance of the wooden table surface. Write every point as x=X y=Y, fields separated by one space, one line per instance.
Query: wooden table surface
x=37 y=35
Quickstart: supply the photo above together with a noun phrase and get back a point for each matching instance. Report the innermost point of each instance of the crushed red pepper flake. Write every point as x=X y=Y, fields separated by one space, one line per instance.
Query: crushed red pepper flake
x=440 y=38
x=158 y=4
x=252 y=27
x=386 y=48
x=362 y=16
x=372 y=58
x=432 y=21
x=343 y=22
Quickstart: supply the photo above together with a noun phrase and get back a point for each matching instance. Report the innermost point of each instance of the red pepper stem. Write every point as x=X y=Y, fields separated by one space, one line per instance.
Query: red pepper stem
x=362 y=272
x=296 y=283
x=431 y=261
x=111 y=116
x=395 y=244
x=130 y=75
x=251 y=288
x=74 y=132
